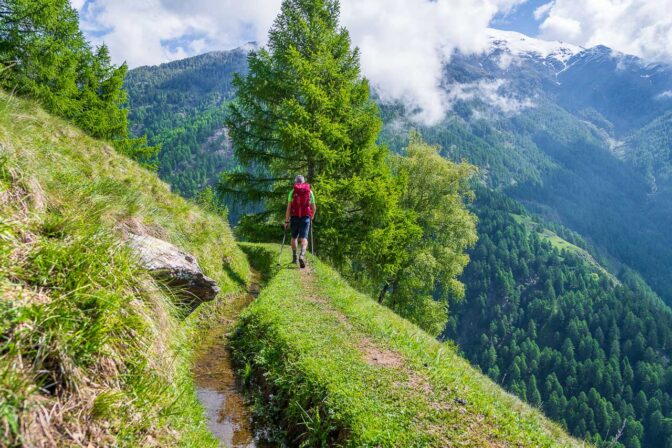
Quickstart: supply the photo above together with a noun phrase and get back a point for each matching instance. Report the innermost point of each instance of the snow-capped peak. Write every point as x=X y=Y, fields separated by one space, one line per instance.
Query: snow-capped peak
x=518 y=44
x=248 y=47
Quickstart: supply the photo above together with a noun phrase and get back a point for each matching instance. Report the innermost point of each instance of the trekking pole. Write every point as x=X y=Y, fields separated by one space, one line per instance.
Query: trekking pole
x=312 y=232
x=284 y=236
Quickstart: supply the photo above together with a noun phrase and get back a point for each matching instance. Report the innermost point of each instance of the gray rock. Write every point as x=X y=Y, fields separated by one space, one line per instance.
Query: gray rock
x=175 y=267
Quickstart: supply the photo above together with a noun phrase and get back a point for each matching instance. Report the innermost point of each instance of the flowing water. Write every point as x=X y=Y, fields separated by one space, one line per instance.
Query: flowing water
x=218 y=390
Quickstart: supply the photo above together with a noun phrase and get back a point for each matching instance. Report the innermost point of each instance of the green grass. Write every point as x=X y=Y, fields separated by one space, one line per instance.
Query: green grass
x=92 y=349
x=328 y=366
x=562 y=244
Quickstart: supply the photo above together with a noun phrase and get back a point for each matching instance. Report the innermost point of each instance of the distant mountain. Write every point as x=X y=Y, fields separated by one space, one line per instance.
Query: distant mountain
x=181 y=106
x=512 y=47
x=578 y=135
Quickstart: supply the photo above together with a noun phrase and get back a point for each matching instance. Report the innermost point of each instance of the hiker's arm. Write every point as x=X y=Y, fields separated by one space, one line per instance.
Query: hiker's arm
x=289 y=206
x=313 y=207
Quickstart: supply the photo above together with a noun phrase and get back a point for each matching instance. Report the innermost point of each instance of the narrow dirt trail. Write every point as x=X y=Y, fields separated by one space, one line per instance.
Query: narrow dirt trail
x=229 y=418
x=371 y=352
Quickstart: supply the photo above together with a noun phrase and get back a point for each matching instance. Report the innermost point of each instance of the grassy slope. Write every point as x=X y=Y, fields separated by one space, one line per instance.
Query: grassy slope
x=562 y=244
x=92 y=350
x=332 y=366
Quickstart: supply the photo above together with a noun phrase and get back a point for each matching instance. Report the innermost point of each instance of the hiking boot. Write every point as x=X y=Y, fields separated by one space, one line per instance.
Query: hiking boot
x=294 y=259
x=302 y=261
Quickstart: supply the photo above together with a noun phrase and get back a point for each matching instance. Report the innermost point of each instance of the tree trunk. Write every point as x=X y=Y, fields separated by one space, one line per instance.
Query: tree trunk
x=311 y=172
x=383 y=292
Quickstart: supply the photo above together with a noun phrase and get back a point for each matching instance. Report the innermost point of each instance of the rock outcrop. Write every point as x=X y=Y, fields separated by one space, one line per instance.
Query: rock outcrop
x=175 y=267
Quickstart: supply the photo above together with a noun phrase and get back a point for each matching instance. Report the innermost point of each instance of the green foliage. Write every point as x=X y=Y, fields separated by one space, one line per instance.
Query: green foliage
x=208 y=200
x=45 y=55
x=304 y=108
x=326 y=364
x=83 y=328
x=598 y=352
x=420 y=256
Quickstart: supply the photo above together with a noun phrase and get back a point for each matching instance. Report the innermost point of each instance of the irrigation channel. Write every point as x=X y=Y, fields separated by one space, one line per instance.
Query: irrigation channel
x=218 y=390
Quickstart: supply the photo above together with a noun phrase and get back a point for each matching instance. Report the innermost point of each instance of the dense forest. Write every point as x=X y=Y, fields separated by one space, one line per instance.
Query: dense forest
x=181 y=107
x=549 y=326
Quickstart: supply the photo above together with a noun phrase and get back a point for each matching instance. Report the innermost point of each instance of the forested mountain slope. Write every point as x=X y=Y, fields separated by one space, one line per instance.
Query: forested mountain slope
x=542 y=320
x=94 y=351
x=181 y=107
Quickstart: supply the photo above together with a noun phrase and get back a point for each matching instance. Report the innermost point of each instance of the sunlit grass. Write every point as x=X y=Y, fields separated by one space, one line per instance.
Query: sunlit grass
x=92 y=349
x=326 y=364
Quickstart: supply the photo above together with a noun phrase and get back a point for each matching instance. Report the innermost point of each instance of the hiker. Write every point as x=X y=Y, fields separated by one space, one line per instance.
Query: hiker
x=300 y=211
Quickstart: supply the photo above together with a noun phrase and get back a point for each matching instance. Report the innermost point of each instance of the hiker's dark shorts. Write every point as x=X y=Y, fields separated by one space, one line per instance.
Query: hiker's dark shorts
x=300 y=227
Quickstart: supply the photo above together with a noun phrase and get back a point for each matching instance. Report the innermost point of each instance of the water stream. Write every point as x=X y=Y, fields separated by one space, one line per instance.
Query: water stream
x=229 y=418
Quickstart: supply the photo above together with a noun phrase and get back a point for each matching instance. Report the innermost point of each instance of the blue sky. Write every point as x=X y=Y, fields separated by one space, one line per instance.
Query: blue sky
x=521 y=19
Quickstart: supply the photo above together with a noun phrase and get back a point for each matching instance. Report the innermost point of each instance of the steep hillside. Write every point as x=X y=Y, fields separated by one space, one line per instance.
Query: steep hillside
x=625 y=90
x=650 y=150
x=93 y=351
x=328 y=365
x=181 y=107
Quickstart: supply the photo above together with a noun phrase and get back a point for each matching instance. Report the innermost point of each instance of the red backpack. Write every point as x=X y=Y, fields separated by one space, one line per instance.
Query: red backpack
x=301 y=201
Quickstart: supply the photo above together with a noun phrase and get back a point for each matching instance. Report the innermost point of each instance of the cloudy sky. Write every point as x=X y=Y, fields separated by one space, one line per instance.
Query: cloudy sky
x=403 y=42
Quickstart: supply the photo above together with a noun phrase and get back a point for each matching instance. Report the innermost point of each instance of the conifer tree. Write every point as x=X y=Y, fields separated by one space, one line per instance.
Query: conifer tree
x=44 y=54
x=304 y=108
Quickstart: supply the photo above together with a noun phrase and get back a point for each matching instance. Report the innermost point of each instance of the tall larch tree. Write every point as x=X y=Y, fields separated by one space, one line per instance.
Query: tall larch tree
x=304 y=108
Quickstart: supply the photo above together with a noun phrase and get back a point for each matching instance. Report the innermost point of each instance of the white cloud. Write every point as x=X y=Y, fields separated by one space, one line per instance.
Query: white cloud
x=491 y=92
x=639 y=27
x=148 y=32
x=665 y=95
x=404 y=43
x=541 y=11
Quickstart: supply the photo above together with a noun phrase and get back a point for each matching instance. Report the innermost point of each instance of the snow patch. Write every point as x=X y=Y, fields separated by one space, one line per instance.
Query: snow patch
x=248 y=47
x=519 y=45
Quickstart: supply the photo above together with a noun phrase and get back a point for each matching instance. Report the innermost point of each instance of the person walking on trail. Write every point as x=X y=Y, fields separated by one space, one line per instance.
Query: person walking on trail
x=300 y=212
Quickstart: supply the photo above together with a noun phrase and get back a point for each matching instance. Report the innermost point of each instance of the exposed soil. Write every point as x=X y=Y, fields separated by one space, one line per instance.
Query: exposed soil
x=371 y=353
x=229 y=418
x=379 y=357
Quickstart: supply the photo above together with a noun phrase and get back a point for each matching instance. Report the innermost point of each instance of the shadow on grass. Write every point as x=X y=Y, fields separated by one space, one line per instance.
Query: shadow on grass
x=233 y=275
